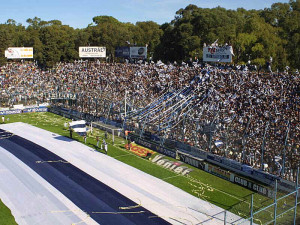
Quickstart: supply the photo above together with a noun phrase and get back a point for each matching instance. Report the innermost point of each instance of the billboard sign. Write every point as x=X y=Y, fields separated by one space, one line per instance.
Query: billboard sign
x=123 y=52
x=19 y=53
x=252 y=186
x=174 y=166
x=139 y=150
x=217 y=171
x=217 y=54
x=92 y=52
x=193 y=161
x=138 y=52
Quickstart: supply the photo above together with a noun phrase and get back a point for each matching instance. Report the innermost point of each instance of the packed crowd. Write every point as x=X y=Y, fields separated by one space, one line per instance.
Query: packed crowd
x=251 y=113
x=240 y=108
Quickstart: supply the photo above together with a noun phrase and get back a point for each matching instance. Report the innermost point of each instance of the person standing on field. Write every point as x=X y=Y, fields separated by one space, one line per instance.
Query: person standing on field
x=105 y=147
x=70 y=129
x=97 y=139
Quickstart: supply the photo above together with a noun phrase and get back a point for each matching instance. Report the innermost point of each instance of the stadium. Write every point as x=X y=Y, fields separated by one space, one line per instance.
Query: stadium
x=103 y=131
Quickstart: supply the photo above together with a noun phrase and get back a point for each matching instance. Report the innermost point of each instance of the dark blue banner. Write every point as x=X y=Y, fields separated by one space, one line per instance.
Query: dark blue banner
x=123 y=52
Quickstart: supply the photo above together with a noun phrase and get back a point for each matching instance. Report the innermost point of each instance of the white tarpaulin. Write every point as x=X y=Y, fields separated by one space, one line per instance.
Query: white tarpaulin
x=217 y=54
x=157 y=196
x=92 y=52
x=31 y=199
x=19 y=53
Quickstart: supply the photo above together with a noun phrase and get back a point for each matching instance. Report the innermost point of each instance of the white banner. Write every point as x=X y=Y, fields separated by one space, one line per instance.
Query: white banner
x=79 y=127
x=217 y=54
x=19 y=53
x=138 y=52
x=92 y=52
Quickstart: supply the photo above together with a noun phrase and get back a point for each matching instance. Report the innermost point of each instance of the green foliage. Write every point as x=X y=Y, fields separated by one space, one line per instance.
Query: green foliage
x=254 y=35
x=105 y=19
x=150 y=34
x=6 y=218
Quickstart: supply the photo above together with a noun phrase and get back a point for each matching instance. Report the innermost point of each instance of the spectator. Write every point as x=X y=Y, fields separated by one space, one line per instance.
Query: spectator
x=238 y=103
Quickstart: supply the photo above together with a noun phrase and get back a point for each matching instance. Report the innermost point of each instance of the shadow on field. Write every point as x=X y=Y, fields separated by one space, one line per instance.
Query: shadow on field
x=63 y=138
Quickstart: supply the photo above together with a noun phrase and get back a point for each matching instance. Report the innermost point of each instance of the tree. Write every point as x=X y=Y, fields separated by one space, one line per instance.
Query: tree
x=58 y=43
x=150 y=34
x=254 y=35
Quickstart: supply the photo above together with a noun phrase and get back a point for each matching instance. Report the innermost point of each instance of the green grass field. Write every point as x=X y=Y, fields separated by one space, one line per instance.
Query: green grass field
x=5 y=215
x=198 y=183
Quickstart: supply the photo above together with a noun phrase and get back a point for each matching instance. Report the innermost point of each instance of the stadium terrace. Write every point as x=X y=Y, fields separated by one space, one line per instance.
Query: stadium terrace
x=249 y=116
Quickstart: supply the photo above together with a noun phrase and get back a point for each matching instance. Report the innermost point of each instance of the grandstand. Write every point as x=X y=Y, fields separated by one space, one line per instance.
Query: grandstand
x=200 y=110
x=191 y=121
x=243 y=124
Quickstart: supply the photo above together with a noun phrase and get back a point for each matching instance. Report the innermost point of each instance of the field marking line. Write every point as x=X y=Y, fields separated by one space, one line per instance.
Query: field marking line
x=171 y=177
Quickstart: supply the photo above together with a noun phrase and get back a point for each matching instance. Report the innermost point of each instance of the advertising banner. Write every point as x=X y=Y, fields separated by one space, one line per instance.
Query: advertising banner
x=217 y=171
x=153 y=146
x=26 y=110
x=37 y=109
x=219 y=160
x=217 y=54
x=188 y=159
x=19 y=53
x=138 y=52
x=139 y=150
x=175 y=166
x=63 y=96
x=123 y=52
x=252 y=186
x=92 y=52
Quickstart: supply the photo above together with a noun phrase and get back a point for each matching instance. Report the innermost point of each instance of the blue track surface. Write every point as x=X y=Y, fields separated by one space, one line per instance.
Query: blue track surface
x=83 y=190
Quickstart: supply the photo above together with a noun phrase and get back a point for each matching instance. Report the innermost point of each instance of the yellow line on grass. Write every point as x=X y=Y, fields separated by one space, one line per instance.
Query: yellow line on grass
x=170 y=177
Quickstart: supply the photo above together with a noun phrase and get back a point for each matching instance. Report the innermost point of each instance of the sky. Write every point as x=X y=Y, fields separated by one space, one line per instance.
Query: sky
x=80 y=13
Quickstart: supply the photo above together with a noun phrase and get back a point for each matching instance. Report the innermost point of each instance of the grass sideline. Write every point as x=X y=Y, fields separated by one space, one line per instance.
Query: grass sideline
x=198 y=183
x=6 y=218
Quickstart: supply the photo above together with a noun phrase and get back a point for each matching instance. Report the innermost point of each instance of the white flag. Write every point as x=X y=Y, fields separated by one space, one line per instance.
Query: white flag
x=78 y=127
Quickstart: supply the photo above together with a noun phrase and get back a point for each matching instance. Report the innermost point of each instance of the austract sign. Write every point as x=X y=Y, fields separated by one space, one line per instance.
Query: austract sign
x=171 y=165
x=92 y=52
